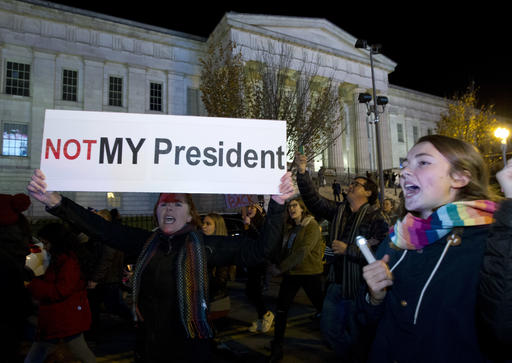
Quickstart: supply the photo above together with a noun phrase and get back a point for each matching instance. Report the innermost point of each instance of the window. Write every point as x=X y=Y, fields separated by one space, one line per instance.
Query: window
x=155 y=97
x=415 y=135
x=17 y=79
x=69 y=85
x=115 y=92
x=430 y=132
x=400 y=132
x=14 y=139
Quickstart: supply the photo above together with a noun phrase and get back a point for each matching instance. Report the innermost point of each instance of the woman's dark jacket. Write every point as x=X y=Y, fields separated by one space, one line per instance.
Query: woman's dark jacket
x=158 y=295
x=447 y=327
x=495 y=288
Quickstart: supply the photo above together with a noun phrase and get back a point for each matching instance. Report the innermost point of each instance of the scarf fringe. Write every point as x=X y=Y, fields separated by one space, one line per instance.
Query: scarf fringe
x=198 y=329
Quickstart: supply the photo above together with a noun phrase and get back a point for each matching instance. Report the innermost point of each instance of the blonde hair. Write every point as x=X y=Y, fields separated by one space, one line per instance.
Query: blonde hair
x=105 y=214
x=220 y=224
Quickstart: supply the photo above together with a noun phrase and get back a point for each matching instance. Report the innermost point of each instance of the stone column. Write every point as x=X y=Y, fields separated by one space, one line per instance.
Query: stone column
x=176 y=94
x=42 y=81
x=136 y=90
x=360 y=134
x=93 y=85
x=335 y=150
x=385 y=141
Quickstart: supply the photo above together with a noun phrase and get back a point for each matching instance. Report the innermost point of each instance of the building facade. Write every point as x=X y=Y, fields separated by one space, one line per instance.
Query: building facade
x=57 y=57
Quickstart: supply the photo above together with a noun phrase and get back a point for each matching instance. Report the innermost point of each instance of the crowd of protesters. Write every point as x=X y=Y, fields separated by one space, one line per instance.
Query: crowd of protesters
x=439 y=290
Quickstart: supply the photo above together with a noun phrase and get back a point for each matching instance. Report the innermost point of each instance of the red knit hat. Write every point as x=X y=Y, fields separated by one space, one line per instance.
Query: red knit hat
x=11 y=206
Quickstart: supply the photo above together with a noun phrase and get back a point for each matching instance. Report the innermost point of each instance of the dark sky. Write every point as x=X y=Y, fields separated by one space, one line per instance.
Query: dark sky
x=438 y=50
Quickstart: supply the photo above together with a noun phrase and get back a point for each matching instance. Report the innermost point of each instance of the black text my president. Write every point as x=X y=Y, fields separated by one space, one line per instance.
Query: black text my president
x=165 y=152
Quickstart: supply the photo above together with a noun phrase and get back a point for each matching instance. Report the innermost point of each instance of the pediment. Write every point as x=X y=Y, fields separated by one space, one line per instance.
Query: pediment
x=309 y=31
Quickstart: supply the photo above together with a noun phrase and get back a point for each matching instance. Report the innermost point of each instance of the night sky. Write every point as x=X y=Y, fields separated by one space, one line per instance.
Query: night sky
x=438 y=50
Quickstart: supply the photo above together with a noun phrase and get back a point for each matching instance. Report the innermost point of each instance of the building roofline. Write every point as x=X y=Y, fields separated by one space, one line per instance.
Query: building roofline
x=418 y=93
x=110 y=18
x=236 y=20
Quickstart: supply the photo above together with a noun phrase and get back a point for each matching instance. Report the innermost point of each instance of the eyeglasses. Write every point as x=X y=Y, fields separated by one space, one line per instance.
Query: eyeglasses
x=356 y=183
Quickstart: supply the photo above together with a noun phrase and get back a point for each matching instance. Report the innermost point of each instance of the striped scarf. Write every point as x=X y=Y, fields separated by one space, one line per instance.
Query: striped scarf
x=191 y=281
x=414 y=233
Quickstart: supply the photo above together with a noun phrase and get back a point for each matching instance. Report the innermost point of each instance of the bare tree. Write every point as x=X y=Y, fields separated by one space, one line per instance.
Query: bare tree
x=284 y=87
x=275 y=86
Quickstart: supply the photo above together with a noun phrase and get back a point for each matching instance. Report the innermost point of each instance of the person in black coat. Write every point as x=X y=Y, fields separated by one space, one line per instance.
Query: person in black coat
x=170 y=282
x=495 y=286
x=15 y=304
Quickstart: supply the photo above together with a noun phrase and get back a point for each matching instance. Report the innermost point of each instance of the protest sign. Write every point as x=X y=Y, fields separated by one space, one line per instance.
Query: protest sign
x=240 y=200
x=125 y=152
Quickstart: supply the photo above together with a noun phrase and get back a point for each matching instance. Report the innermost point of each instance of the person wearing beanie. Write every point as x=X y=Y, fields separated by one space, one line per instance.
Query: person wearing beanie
x=15 y=305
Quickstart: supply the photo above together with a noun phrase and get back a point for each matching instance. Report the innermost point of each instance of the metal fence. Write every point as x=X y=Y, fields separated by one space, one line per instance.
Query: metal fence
x=138 y=221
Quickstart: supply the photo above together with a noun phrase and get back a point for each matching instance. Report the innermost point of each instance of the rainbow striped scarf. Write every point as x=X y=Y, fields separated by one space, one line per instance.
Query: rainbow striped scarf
x=414 y=233
x=191 y=280
x=192 y=277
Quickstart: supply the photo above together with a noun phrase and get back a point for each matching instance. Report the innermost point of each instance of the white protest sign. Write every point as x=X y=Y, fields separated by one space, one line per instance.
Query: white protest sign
x=126 y=152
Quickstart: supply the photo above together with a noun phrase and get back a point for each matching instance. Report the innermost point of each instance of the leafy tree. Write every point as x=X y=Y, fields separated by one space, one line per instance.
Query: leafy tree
x=466 y=120
x=222 y=81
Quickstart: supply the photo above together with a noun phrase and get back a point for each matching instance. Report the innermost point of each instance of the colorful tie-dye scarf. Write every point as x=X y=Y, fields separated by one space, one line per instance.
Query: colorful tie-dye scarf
x=414 y=233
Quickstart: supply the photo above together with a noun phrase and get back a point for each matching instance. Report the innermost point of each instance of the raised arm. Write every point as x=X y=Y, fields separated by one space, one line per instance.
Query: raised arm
x=317 y=205
x=245 y=251
x=494 y=291
x=129 y=240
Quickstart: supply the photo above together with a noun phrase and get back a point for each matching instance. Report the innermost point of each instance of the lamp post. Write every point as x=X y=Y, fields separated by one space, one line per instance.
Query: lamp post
x=381 y=101
x=502 y=133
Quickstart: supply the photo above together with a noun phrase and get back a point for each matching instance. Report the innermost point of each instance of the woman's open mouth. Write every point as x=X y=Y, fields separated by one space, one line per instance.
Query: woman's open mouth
x=410 y=190
x=169 y=220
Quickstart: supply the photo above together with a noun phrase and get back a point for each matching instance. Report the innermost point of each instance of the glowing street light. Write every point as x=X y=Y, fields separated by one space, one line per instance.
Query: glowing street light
x=502 y=133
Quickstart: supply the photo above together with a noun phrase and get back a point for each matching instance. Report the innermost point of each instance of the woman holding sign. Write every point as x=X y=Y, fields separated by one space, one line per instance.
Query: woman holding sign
x=170 y=284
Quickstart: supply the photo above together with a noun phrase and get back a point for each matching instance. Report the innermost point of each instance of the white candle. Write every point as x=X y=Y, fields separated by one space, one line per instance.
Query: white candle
x=363 y=246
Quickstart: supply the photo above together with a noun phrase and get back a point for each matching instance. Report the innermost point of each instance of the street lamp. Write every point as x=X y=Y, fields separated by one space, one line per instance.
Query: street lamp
x=381 y=101
x=502 y=133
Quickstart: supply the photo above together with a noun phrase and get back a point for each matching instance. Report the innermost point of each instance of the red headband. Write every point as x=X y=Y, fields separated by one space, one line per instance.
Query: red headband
x=169 y=198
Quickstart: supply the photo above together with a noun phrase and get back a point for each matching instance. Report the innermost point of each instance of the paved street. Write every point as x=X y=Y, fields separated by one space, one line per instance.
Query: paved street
x=303 y=343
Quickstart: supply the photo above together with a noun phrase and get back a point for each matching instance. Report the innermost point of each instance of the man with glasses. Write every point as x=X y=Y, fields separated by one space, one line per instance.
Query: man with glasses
x=349 y=218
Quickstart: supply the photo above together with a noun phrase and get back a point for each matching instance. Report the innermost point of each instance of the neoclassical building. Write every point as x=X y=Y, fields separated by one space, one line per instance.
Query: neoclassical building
x=57 y=57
